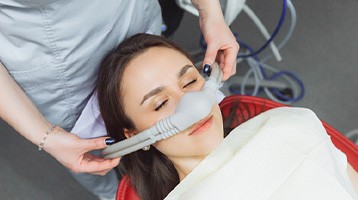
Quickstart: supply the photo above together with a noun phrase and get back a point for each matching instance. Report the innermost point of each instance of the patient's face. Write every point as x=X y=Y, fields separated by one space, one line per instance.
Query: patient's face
x=152 y=85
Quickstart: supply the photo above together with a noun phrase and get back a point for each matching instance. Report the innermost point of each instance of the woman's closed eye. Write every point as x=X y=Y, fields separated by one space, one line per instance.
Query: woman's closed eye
x=191 y=82
x=161 y=105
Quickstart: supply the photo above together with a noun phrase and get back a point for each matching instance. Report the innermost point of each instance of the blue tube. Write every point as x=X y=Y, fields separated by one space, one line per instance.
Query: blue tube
x=275 y=75
x=278 y=27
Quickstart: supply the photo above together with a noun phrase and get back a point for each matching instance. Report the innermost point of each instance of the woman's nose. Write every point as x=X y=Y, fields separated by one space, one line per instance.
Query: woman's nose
x=177 y=95
x=181 y=91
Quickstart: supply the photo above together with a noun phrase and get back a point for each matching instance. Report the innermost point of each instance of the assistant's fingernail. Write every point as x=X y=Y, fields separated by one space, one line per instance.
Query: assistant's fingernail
x=110 y=141
x=207 y=69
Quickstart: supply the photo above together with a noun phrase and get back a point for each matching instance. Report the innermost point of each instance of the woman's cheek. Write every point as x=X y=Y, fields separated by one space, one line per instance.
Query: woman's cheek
x=167 y=110
x=169 y=146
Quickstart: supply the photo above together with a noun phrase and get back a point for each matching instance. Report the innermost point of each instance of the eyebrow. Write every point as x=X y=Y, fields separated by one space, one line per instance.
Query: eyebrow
x=152 y=93
x=184 y=70
x=158 y=90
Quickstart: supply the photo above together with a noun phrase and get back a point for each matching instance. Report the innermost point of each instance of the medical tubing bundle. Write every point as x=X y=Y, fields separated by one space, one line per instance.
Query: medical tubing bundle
x=275 y=49
x=263 y=31
x=192 y=107
x=273 y=35
x=290 y=30
x=257 y=68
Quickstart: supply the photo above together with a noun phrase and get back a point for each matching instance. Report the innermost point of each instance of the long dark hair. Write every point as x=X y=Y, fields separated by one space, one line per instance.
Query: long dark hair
x=151 y=173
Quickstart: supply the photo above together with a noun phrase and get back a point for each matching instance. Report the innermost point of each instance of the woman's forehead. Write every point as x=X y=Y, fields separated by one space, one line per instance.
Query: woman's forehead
x=156 y=61
x=152 y=68
x=159 y=55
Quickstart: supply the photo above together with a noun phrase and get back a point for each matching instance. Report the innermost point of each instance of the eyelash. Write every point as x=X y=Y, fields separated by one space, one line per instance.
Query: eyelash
x=191 y=82
x=164 y=102
x=161 y=105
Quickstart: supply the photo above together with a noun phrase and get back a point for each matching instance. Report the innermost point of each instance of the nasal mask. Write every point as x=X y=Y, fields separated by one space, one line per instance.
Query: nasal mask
x=192 y=107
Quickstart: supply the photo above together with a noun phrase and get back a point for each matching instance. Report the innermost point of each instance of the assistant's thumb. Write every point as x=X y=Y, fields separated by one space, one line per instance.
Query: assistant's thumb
x=99 y=143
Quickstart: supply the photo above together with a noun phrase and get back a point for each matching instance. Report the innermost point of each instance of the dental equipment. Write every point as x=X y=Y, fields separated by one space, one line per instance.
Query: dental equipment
x=192 y=107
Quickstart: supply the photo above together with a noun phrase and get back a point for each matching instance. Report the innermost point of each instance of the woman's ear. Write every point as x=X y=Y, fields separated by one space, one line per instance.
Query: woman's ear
x=129 y=133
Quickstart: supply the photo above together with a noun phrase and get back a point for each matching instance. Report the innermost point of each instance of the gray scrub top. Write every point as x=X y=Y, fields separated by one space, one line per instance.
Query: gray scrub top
x=53 y=49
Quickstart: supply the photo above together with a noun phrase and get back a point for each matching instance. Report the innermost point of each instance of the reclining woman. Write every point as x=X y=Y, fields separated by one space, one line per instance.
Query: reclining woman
x=283 y=153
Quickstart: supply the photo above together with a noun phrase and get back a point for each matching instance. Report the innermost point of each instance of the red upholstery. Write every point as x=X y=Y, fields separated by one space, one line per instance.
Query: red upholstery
x=247 y=107
x=125 y=190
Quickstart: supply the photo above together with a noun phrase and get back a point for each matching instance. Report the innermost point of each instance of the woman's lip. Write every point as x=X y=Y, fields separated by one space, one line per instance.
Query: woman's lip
x=200 y=124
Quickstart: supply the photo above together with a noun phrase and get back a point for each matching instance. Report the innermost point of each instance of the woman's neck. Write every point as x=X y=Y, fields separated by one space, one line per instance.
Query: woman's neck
x=185 y=165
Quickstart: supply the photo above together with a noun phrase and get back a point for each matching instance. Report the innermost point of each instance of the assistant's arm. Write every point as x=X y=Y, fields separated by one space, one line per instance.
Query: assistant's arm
x=222 y=45
x=20 y=113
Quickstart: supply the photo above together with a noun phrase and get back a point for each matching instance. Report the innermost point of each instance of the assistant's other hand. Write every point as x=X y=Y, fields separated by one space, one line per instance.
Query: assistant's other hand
x=222 y=46
x=72 y=152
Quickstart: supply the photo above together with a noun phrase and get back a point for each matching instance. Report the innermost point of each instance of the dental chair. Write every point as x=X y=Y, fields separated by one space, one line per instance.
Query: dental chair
x=246 y=108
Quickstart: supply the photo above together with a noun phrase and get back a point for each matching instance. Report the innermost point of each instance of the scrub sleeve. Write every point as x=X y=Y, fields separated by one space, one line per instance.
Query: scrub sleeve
x=53 y=49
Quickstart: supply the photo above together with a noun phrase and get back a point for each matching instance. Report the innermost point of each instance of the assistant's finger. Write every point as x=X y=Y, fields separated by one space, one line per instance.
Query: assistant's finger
x=210 y=54
x=94 y=164
x=229 y=67
x=220 y=59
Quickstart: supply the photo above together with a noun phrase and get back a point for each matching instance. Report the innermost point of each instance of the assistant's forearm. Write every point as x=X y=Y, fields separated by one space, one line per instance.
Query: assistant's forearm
x=18 y=110
x=208 y=8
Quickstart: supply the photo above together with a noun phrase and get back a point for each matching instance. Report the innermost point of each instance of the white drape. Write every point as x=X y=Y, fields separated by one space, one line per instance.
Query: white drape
x=284 y=153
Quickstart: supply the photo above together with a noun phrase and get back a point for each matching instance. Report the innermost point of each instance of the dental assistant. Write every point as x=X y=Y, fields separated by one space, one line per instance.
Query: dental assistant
x=50 y=53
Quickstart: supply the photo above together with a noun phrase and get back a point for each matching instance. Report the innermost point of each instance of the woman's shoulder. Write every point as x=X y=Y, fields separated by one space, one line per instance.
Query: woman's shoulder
x=298 y=128
x=296 y=118
x=285 y=117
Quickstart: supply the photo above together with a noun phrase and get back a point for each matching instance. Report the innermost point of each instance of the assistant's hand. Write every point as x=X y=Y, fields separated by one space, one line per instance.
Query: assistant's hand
x=221 y=44
x=67 y=148
x=72 y=152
